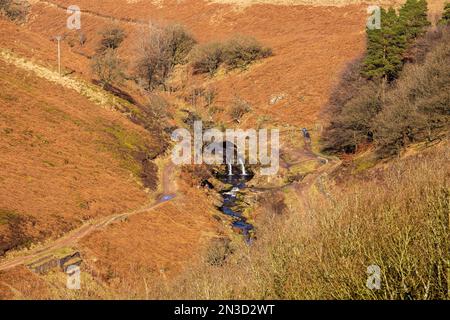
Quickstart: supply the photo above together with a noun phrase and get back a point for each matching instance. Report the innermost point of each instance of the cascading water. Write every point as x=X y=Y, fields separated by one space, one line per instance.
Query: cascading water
x=230 y=169
x=241 y=162
x=230 y=205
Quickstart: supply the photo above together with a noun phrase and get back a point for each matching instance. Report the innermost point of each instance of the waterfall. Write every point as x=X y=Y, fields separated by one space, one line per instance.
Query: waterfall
x=244 y=173
x=230 y=169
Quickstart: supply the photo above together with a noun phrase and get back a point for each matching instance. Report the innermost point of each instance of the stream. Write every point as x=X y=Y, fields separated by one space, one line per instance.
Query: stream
x=230 y=205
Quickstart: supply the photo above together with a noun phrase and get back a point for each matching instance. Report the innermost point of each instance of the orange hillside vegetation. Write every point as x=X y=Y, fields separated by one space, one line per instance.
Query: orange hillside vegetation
x=311 y=45
x=63 y=159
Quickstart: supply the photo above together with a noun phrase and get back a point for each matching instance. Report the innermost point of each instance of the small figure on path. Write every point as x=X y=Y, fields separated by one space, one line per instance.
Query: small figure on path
x=306 y=135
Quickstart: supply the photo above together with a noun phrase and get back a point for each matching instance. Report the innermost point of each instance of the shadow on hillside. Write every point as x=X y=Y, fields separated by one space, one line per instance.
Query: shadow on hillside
x=116 y=91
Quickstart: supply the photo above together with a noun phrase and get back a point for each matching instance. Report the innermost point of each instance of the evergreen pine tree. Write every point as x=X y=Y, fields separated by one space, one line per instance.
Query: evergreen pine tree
x=446 y=15
x=413 y=17
x=385 y=48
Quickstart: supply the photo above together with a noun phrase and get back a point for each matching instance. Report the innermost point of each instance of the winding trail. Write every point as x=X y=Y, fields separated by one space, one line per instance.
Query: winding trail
x=105 y=100
x=72 y=238
x=135 y=22
x=327 y=166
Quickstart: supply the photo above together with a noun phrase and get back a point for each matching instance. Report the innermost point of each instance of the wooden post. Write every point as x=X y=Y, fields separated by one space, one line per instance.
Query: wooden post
x=58 y=38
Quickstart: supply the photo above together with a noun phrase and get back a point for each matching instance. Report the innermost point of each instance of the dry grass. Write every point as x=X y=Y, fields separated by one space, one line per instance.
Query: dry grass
x=310 y=46
x=396 y=218
x=61 y=164
x=245 y=3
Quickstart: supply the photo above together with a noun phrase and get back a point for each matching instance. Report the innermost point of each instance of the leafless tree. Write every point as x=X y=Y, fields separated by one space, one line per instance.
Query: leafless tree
x=160 y=48
x=108 y=67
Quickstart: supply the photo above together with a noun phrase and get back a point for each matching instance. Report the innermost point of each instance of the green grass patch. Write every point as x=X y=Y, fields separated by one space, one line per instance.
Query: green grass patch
x=127 y=146
x=126 y=140
x=364 y=162
x=55 y=112
x=64 y=252
x=304 y=167
x=299 y=171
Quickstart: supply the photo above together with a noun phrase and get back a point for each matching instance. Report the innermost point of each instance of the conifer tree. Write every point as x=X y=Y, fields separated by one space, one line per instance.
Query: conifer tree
x=413 y=17
x=446 y=15
x=385 y=48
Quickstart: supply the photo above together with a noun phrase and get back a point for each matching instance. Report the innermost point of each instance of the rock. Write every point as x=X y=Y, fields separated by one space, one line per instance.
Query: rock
x=274 y=99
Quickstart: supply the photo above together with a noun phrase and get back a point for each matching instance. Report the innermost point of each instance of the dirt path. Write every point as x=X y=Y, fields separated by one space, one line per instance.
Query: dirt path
x=168 y=185
x=103 y=99
x=134 y=22
x=72 y=238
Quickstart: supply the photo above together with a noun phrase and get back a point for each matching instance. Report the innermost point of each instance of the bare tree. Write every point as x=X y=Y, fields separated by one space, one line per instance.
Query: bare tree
x=112 y=38
x=239 y=108
x=159 y=50
x=108 y=67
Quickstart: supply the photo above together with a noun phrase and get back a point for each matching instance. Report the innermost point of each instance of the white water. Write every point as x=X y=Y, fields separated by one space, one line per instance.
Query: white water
x=232 y=192
x=244 y=173
x=230 y=169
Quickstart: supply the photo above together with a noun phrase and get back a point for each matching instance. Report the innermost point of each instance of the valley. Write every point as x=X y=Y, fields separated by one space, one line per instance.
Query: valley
x=88 y=176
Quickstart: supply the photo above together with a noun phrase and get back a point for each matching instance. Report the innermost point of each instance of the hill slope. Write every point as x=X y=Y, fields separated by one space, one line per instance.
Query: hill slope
x=310 y=44
x=64 y=159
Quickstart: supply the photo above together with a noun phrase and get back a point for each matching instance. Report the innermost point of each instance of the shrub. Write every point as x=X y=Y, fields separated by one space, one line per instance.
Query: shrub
x=207 y=58
x=240 y=51
x=348 y=87
x=203 y=96
x=15 y=10
x=191 y=118
x=157 y=107
x=15 y=230
x=210 y=95
x=112 y=38
x=196 y=175
x=194 y=95
x=108 y=67
x=423 y=45
x=237 y=52
x=239 y=108
x=180 y=43
x=218 y=251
